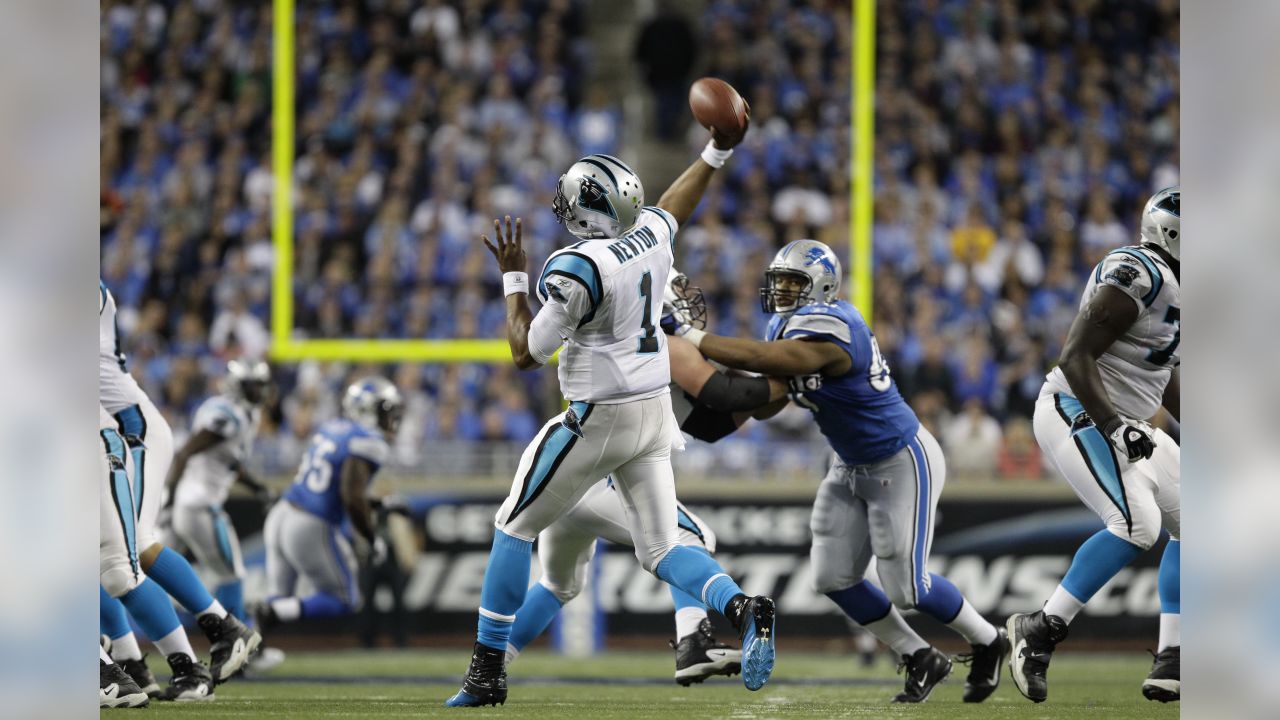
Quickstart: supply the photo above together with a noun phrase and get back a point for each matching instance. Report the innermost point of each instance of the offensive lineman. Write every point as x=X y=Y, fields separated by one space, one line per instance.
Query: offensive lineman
x=150 y=444
x=603 y=297
x=709 y=404
x=304 y=533
x=1119 y=365
x=888 y=471
x=205 y=468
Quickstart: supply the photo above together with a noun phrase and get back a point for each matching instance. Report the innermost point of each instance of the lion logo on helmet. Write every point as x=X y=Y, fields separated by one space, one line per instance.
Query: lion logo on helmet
x=816 y=256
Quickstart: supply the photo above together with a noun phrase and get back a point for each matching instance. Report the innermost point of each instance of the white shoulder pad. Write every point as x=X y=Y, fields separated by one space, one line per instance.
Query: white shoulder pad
x=662 y=223
x=368 y=447
x=1130 y=271
x=818 y=324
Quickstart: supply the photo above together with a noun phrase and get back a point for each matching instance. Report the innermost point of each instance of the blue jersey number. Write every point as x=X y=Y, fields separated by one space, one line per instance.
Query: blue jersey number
x=1165 y=354
x=317 y=471
x=648 y=340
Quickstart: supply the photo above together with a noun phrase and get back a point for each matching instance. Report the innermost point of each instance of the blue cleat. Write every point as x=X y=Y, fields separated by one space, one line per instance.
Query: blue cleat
x=757 y=641
x=486 y=681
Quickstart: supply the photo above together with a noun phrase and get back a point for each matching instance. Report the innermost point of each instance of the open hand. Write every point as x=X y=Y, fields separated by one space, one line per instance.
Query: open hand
x=509 y=252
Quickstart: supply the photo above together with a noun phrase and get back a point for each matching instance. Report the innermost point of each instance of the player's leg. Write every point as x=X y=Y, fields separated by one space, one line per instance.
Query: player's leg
x=1122 y=494
x=646 y=485
x=321 y=554
x=555 y=471
x=115 y=687
x=840 y=555
x=282 y=576
x=150 y=442
x=699 y=655
x=1164 y=683
x=121 y=577
x=208 y=533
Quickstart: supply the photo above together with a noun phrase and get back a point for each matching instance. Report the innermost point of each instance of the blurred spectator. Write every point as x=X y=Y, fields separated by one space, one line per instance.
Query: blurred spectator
x=972 y=442
x=1019 y=453
x=667 y=49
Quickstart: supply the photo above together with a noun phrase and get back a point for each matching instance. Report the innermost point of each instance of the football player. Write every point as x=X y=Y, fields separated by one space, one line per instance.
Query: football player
x=887 y=472
x=304 y=531
x=1119 y=366
x=150 y=445
x=205 y=468
x=709 y=403
x=123 y=583
x=602 y=300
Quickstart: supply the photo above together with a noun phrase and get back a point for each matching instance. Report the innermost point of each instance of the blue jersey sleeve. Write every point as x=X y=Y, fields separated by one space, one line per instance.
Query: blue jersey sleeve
x=831 y=324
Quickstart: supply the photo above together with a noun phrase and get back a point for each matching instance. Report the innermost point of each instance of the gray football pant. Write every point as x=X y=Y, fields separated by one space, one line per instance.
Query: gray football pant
x=208 y=533
x=303 y=546
x=885 y=509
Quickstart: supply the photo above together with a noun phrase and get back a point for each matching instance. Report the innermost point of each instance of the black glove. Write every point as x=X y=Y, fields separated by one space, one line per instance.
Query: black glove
x=798 y=385
x=1132 y=439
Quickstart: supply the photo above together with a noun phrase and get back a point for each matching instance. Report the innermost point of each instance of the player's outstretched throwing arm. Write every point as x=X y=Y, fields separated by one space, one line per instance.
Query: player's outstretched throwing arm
x=1105 y=319
x=686 y=191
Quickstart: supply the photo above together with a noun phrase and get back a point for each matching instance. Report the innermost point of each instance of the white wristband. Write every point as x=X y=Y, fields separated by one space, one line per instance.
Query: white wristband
x=695 y=336
x=714 y=156
x=515 y=282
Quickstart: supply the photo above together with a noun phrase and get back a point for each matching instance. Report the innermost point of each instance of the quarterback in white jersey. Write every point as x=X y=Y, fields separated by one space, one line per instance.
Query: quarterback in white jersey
x=1119 y=366
x=205 y=468
x=602 y=297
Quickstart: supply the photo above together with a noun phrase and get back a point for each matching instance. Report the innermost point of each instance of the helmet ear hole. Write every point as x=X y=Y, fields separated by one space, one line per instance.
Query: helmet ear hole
x=1173 y=234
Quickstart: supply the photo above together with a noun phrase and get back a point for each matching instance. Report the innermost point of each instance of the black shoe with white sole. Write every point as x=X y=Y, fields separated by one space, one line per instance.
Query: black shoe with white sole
x=1032 y=639
x=117 y=689
x=986 y=662
x=1165 y=681
x=926 y=668
x=142 y=675
x=231 y=643
x=699 y=656
x=191 y=680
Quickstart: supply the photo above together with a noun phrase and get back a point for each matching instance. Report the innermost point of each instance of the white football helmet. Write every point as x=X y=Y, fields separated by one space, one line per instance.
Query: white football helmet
x=598 y=197
x=247 y=380
x=375 y=403
x=1162 y=220
x=808 y=259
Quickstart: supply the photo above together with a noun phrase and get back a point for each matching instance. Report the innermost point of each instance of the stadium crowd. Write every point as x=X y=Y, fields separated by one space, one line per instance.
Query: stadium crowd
x=1015 y=143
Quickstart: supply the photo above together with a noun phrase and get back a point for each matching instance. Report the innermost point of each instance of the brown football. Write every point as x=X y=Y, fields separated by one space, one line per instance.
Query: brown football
x=715 y=104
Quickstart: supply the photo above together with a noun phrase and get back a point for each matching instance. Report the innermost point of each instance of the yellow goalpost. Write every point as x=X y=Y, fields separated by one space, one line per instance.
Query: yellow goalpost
x=285 y=347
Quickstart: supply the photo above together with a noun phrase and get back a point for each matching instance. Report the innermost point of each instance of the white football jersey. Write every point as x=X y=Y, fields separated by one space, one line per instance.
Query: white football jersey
x=210 y=474
x=604 y=299
x=117 y=389
x=1136 y=368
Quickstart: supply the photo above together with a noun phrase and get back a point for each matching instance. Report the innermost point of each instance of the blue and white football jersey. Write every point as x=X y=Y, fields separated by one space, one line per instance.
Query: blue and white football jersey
x=316 y=489
x=861 y=412
x=117 y=389
x=210 y=474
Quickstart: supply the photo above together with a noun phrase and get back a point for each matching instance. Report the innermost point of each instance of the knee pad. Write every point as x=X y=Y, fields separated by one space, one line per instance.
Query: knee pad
x=649 y=557
x=1144 y=527
x=564 y=593
x=831 y=567
x=902 y=598
x=119 y=580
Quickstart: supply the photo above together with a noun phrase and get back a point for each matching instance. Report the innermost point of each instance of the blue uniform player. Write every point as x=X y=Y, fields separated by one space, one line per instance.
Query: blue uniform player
x=304 y=532
x=886 y=475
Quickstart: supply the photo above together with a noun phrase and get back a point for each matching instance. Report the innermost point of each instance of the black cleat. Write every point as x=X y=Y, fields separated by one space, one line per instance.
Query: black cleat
x=117 y=689
x=925 y=669
x=191 y=680
x=231 y=644
x=142 y=675
x=486 y=681
x=1032 y=639
x=756 y=623
x=985 y=664
x=1165 y=681
x=699 y=656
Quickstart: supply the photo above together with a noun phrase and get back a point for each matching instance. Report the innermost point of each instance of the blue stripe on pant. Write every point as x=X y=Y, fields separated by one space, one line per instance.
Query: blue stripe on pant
x=685 y=522
x=1097 y=453
x=555 y=445
x=923 y=521
x=122 y=494
x=224 y=538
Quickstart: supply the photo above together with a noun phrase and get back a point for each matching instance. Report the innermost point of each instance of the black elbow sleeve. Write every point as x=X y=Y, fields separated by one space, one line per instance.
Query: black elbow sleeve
x=735 y=393
x=709 y=425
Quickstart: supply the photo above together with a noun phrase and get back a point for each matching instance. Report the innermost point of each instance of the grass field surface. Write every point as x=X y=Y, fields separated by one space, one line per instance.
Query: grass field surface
x=414 y=684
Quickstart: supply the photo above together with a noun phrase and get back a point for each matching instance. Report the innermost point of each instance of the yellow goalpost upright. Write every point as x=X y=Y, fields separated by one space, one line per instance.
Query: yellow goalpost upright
x=285 y=347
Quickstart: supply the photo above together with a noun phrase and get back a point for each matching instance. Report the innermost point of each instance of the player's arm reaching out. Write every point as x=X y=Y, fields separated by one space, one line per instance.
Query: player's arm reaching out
x=786 y=358
x=1105 y=318
x=356 y=474
x=686 y=192
x=256 y=486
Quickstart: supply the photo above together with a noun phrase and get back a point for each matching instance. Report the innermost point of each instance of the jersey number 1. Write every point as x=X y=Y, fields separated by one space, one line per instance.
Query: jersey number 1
x=649 y=340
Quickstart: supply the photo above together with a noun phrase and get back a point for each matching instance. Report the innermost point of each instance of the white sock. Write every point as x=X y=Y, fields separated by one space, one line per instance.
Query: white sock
x=287 y=609
x=512 y=653
x=1063 y=604
x=687 y=621
x=973 y=626
x=175 y=642
x=214 y=609
x=1170 y=631
x=896 y=633
x=102 y=655
x=126 y=648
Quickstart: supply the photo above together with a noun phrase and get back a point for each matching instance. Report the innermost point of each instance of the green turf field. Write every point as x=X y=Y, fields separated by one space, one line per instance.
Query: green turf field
x=413 y=684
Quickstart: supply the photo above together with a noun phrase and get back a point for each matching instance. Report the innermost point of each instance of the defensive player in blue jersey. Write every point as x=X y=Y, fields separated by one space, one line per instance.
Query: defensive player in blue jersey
x=304 y=531
x=887 y=473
